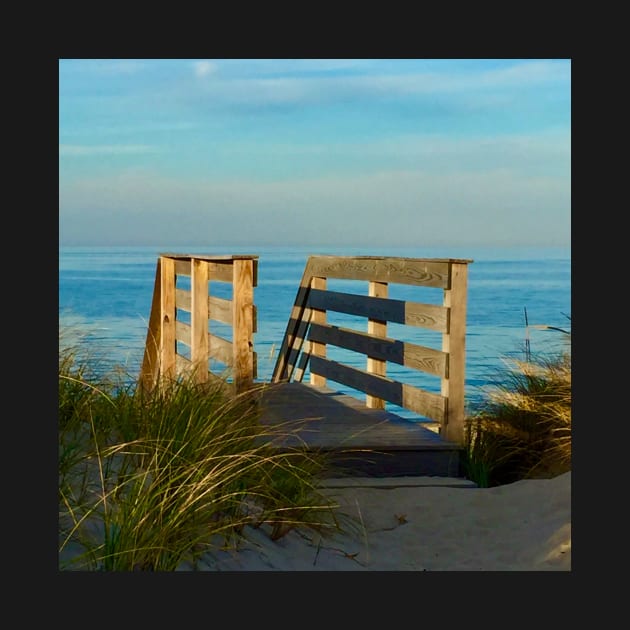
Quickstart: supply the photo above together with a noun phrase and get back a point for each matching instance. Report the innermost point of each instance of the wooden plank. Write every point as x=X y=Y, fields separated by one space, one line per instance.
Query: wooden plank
x=182 y=267
x=183 y=299
x=360 y=380
x=454 y=343
x=242 y=338
x=167 y=310
x=281 y=367
x=318 y=316
x=410 y=355
x=414 y=271
x=223 y=271
x=150 y=369
x=221 y=349
x=430 y=316
x=322 y=416
x=211 y=257
x=220 y=270
x=425 y=403
x=220 y=310
x=183 y=332
x=199 y=320
x=377 y=328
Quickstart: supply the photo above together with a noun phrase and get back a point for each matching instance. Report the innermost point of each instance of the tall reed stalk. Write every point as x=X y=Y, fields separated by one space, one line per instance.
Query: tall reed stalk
x=154 y=481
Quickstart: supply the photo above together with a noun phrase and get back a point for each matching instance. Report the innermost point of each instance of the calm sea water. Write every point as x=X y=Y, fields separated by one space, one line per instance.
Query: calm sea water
x=106 y=292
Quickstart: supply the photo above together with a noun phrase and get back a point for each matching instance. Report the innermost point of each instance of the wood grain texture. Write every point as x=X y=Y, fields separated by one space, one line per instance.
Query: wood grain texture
x=376 y=328
x=307 y=325
x=220 y=310
x=429 y=316
x=414 y=271
x=318 y=316
x=365 y=442
x=182 y=266
x=242 y=337
x=199 y=320
x=210 y=257
x=425 y=403
x=220 y=270
x=183 y=332
x=224 y=271
x=167 y=310
x=150 y=370
x=454 y=344
x=183 y=299
x=408 y=354
x=221 y=350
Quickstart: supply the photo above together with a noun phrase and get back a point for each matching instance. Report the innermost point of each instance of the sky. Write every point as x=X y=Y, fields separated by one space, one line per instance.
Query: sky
x=307 y=152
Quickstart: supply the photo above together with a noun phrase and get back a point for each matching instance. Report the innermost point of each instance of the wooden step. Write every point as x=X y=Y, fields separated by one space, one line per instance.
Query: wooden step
x=358 y=440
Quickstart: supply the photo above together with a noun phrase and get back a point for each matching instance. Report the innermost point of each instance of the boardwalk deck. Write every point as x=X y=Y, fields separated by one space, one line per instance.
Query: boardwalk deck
x=360 y=437
x=358 y=440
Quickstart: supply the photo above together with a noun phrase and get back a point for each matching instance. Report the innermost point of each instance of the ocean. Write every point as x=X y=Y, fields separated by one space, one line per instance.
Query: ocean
x=106 y=293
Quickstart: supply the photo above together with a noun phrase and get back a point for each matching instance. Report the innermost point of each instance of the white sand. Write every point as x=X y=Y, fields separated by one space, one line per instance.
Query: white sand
x=421 y=524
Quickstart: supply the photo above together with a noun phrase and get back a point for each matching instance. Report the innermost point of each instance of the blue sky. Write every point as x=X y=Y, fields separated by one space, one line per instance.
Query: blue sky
x=355 y=152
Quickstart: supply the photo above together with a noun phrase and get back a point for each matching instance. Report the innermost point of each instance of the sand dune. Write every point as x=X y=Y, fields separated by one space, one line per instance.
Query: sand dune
x=423 y=524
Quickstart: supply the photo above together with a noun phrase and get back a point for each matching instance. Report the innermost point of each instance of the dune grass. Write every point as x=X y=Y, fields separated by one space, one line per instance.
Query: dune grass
x=522 y=429
x=157 y=481
x=154 y=481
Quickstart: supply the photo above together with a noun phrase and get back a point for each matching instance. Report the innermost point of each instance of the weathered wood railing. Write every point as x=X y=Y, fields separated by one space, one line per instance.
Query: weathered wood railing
x=308 y=323
x=162 y=359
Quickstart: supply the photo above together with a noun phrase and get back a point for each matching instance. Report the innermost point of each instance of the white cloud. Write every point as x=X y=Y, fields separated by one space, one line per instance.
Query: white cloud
x=204 y=68
x=285 y=87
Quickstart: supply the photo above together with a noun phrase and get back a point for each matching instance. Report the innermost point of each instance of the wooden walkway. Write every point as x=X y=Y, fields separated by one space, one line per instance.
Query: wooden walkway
x=359 y=441
x=360 y=436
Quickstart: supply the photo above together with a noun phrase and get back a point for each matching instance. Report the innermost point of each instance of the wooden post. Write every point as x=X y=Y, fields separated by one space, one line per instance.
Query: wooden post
x=454 y=344
x=167 y=309
x=199 y=319
x=379 y=328
x=318 y=317
x=243 y=324
x=150 y=370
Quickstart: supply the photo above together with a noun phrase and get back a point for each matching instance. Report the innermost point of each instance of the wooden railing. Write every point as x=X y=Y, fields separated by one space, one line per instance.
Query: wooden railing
x=167 y=329
x=308 y=334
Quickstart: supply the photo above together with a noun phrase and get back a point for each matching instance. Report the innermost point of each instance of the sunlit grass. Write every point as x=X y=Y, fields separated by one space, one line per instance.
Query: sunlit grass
x=152 y=481
x=522 y=429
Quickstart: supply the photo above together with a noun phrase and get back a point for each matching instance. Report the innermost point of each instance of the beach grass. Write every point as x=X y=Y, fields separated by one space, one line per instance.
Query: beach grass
x=152 y=481
x=522 y=428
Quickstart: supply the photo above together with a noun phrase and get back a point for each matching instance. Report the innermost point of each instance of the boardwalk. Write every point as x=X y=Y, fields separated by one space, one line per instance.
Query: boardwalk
x=360 y=436
x=359 y=440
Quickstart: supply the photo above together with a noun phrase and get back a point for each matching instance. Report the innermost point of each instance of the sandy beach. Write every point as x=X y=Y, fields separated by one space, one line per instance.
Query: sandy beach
x=422 y=524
